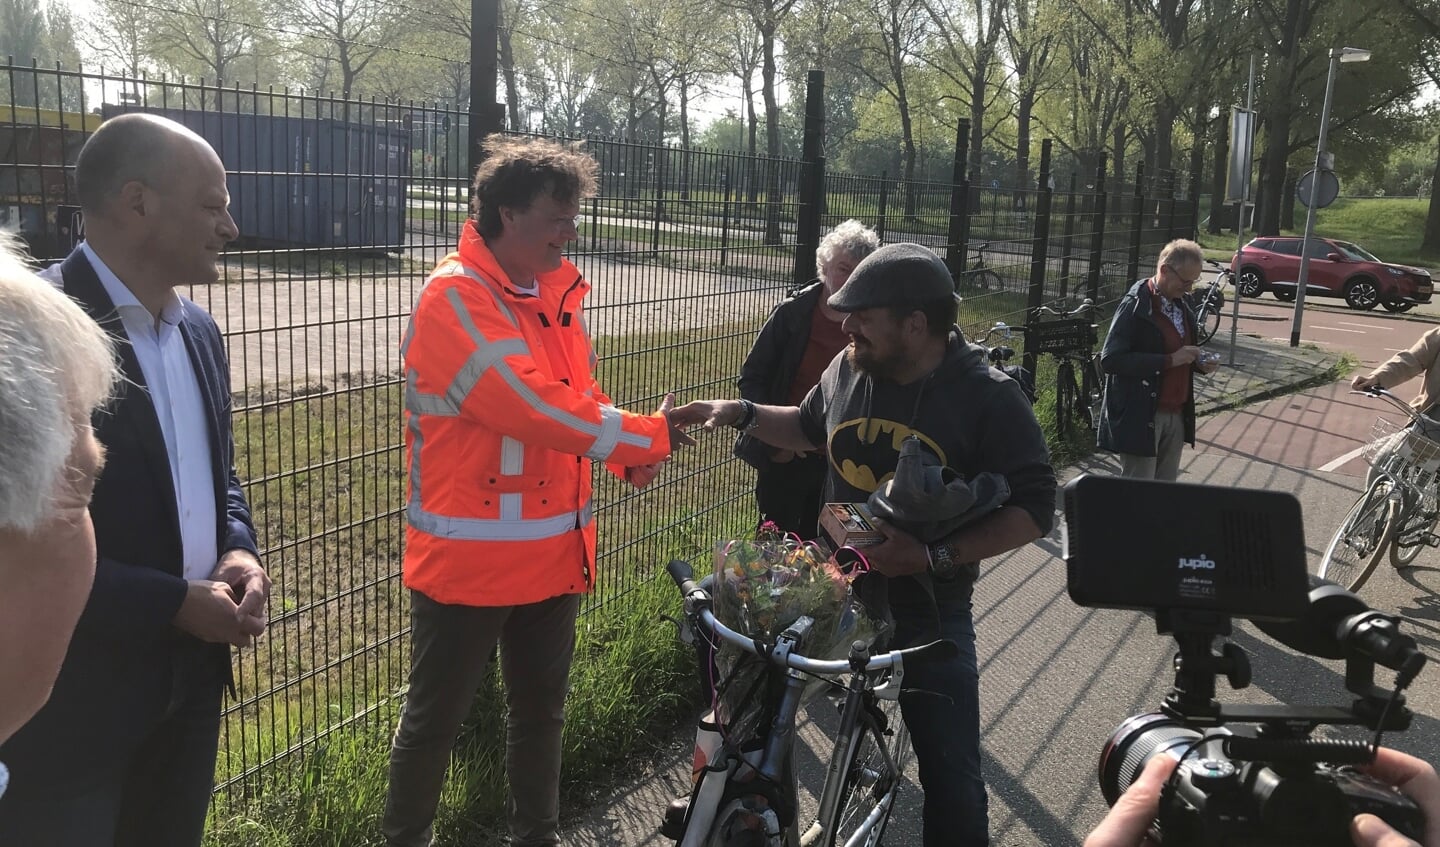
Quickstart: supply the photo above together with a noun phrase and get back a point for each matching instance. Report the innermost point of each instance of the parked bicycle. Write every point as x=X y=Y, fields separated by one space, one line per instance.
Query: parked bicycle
x=1000 y=355
x=1071 y=339
x=1397 y=511
x=1208 y=302
x=979 y=275
x=747 y=794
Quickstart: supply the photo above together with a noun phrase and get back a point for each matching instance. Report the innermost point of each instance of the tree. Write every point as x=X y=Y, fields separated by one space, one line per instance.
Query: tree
x=1032 y=40
x=1371 y=112
x=45 y=36
x=207 y=38
x=121 y=35
x=768 y=16
x=970 y=63
x=891 y=35
x=349 y=33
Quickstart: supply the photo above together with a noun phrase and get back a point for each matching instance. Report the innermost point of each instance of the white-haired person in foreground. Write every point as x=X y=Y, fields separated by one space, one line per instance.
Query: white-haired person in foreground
x=56 y=367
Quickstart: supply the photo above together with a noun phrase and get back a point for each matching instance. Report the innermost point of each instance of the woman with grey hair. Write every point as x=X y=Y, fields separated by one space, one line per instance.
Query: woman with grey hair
x=56 y=367
x=793 y=349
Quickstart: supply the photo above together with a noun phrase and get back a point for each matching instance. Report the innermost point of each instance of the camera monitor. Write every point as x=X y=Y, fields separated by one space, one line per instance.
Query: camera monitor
x=1141 y=544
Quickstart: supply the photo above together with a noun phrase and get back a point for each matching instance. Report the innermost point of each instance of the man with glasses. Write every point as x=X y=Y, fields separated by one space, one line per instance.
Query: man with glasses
x=1150 y=359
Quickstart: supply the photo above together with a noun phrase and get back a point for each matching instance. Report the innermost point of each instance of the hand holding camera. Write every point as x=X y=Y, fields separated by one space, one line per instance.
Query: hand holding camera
x=1182 y=774
x=1128 y=823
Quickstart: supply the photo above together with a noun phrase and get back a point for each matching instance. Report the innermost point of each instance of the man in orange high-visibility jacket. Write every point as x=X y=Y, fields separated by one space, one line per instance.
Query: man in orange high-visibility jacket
x=503 y=417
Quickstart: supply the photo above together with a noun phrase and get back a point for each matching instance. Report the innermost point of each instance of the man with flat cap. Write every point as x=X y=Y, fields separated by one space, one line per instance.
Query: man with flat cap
x=910 y=372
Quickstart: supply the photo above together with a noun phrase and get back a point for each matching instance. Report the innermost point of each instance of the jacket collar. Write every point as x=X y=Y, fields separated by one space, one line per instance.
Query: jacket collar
x=564 y=285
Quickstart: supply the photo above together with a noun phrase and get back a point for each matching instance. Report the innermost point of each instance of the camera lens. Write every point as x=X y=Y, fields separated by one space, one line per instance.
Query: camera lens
x=1135 y=743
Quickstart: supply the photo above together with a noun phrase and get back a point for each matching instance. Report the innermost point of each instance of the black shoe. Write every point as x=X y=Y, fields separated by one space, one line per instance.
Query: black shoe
x=673 y=826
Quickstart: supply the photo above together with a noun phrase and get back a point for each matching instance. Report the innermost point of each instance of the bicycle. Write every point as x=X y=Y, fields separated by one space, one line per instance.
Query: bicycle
x=1208 y=303
x=1398 y=510
x=979 y=275
x=1071 y=340
x=1000 y=354
x=739 y=791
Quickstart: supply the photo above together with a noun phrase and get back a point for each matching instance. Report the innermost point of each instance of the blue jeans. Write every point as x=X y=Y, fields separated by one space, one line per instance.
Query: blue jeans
x=941 y=705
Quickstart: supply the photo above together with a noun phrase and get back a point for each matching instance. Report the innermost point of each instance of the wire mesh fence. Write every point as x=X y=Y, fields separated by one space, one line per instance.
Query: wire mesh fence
x=344 y=208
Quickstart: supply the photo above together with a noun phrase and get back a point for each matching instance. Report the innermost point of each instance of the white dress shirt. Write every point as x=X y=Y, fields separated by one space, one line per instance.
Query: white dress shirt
x=175 y=393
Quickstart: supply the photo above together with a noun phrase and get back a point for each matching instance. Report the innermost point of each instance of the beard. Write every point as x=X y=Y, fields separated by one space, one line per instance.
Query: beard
x=863 y=357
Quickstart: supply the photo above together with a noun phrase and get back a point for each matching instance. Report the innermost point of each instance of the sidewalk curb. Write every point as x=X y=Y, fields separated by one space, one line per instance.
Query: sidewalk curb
x=1331 y=373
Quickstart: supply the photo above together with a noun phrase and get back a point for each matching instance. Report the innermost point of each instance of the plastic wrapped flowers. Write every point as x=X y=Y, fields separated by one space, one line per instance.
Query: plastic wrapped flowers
x=763 y=586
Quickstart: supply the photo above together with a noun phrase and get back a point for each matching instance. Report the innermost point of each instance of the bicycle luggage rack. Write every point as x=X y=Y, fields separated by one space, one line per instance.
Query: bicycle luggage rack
x=1067 y=335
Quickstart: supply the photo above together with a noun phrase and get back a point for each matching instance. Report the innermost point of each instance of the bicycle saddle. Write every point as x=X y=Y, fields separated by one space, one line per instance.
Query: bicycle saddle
x=929 y=500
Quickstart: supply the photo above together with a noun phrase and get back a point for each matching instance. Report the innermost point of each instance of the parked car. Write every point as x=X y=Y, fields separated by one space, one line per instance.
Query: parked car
x=1337 y=269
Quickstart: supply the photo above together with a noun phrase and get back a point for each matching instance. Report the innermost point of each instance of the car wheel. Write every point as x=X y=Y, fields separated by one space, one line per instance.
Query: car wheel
x=1251 y=282
x=1362 y=293
x=1287 y=295
x=1397 y=306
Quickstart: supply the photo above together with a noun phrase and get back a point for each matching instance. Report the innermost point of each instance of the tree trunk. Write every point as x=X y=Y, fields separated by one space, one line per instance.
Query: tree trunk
x=1219 y=175
x=1431 y=243
x=507 y=70
x=772 y=138
x=907 y=129
x=1287 y=202
x=1025 y=108
x=684 y=138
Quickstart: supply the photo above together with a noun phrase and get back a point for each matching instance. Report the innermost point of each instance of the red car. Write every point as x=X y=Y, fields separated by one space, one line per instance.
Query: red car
x=1337 y=269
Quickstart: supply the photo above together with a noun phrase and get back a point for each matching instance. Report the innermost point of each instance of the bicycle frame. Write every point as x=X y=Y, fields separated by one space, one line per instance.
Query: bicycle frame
x=1383 y=518
x=707 y=800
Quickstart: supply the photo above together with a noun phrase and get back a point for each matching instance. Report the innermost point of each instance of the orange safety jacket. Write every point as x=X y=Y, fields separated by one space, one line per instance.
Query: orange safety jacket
x=503 y=417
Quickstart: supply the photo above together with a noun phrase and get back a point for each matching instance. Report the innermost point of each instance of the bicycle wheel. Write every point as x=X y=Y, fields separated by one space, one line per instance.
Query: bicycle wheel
x=1087 y=401
x=1207 y=321
x=1414 y=535
x=1064 y=396
x=988 y=280
x=876 y=755
x=1362 y=537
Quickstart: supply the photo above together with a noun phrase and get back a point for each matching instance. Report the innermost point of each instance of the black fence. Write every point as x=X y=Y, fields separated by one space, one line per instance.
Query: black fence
x=346 y=205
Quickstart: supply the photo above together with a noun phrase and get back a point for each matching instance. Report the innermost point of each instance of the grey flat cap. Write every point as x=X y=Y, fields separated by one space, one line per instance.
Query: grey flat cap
x=895 y=275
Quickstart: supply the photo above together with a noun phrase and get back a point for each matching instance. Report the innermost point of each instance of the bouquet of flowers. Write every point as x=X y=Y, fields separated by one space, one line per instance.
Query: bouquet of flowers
x=765 y=585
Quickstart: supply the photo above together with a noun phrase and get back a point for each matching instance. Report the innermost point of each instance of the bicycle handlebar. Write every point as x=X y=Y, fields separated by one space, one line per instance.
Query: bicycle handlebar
x=1001 y=327
x=1082 y=311
x=1385 y=394
x=697 y=608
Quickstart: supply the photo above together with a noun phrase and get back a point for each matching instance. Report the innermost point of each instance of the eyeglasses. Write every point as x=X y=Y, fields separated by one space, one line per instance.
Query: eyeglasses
x=1172 y=270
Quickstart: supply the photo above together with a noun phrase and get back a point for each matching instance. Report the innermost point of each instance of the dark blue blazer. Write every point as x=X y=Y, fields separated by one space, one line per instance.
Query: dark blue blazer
x=126 y=654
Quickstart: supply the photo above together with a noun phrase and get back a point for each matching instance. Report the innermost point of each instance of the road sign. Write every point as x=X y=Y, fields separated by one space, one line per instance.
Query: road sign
x=1325 y=194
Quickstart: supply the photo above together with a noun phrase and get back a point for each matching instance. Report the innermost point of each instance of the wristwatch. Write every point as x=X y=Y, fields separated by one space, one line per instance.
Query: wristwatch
x=943 y=565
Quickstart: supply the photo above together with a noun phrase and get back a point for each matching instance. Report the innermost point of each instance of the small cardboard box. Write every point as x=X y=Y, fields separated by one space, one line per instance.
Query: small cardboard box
x=849 y=525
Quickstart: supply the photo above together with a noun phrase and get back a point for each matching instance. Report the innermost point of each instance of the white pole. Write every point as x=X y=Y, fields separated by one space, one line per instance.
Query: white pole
x=1240 y=213
x=1310 y=207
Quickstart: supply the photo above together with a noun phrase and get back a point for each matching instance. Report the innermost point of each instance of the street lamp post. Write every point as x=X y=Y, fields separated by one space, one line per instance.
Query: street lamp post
x=1337 y=55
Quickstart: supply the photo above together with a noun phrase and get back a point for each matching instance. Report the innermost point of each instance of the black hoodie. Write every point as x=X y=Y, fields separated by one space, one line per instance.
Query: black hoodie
x=971 y=416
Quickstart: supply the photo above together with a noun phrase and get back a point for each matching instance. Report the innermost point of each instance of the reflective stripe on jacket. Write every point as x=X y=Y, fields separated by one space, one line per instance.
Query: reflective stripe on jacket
x=502 y=420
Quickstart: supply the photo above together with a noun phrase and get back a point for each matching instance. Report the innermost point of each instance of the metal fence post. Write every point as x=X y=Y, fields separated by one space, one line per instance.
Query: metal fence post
x=956 y=247
x=1197 y=163
x=880 y=210
x=812 y=180
x=1039 y=249
x=660 y=165
x=485 y=117
x=1097 y=238
x=1137 y=225
x=1069 y=242
x=1172 y=184
x=725 y=218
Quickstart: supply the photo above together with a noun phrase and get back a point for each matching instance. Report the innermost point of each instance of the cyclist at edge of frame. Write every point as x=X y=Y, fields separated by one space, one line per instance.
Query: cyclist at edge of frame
x=1150 y=360
x=1405 y=366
